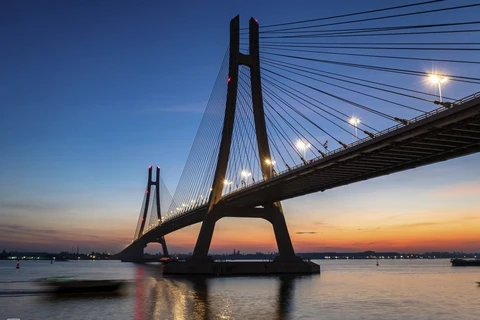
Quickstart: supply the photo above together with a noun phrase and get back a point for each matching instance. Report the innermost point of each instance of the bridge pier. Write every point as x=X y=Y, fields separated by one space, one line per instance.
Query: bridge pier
x=284 y=243
x=200 y=253
x=133 y=253
x=272 y=214
x=163 y=243
x=285 y=263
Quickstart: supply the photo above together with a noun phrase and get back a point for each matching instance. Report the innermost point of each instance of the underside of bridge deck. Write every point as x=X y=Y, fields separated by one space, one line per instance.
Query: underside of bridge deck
x=442 y=137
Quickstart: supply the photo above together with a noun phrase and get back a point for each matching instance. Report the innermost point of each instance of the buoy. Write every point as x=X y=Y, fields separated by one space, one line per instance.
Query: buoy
x=18 y=264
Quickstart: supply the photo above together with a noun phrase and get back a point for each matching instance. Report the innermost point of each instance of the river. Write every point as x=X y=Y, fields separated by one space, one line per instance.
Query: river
x=345 y=289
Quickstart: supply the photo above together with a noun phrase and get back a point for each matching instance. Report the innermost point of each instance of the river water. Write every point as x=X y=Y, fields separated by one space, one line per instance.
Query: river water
x=345 y=289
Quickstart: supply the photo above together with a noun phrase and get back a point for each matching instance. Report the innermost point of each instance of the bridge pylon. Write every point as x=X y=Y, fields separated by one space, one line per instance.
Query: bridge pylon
x=270 y=211
x=153 y=187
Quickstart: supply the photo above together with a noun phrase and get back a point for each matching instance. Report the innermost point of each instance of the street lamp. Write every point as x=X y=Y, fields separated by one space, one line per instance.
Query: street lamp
x=245 y=174
x=271 y=163
x=354 y=121
x=301 y=145
x=228 y=183
x=438 y=79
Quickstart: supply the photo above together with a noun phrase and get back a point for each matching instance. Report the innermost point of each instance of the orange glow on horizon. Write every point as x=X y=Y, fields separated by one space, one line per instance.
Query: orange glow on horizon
x=256 y=235
x=442 y=218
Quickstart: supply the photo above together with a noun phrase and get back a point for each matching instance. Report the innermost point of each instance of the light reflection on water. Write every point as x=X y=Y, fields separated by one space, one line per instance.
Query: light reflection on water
x=416 y=289
x=215 y=298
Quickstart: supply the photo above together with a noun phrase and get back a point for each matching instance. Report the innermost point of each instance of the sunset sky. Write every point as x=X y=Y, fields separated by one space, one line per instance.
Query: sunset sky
x=92 y=93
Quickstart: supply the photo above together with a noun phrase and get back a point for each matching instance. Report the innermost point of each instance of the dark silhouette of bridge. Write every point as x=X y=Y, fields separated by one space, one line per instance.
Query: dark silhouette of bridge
x=241 y=167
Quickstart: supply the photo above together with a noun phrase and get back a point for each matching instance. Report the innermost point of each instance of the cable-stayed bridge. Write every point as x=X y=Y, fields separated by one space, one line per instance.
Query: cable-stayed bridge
x=306 y=106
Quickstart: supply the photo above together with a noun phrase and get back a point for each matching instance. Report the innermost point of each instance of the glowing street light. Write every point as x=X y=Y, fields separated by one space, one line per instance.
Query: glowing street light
x=438 y=79
x=245 y=174
x=354 y=121
x=271 y=163
x=302 y=145
x=228 y=183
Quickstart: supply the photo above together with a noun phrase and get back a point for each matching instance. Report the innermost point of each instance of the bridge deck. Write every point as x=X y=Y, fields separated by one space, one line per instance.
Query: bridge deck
x=435 y=137
x=443 y=135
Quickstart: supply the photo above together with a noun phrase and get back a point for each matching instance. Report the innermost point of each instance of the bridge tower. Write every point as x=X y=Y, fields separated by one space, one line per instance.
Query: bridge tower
x=134 y=253
x=271 y=212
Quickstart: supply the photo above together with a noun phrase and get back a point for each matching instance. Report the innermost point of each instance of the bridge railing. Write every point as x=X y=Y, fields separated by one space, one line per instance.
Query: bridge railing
x=468 y=98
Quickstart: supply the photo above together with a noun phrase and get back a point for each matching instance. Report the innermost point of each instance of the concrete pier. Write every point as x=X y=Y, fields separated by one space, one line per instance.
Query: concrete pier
x=223 y=268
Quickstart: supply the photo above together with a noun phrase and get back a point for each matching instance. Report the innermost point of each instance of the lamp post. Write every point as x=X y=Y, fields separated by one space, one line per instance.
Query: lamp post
x=438 y=80
x=245 y=174
x=271 y=163
x=228 y=183
x=354 y=121
x=301 y=145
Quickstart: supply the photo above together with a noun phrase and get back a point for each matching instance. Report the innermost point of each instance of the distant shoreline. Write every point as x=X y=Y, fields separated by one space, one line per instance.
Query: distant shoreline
x=66 y=256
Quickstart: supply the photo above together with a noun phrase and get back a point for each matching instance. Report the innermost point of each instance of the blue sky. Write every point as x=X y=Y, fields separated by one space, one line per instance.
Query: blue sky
x=93 y=92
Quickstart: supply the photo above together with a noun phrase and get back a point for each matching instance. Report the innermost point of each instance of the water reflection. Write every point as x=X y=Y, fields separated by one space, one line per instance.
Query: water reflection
x=202 y=304
x=285 y=296
x=179 y=299
x=139 y=291
x=201 y=298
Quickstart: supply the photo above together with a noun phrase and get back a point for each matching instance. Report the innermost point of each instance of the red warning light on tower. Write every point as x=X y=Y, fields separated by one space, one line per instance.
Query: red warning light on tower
x=229 y=79
x=256 y=20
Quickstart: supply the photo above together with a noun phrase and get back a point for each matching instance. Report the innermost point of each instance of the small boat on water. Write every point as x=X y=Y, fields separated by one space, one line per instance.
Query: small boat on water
x=166 y=260
x=464 y=263
x=70 y=285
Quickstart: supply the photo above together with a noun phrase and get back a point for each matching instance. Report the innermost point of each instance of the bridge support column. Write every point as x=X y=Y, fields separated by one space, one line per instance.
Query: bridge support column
x=205 y=238
x=201 y=264
x=161 y=240
x=157 y=208
x=272 y=214
x=284 y=243
x=133 y=253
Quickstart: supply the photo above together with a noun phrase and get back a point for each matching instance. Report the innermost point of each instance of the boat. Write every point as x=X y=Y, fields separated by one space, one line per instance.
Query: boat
x=464 y=263
x=166 y=260
x=60 y=259
x=70 y=285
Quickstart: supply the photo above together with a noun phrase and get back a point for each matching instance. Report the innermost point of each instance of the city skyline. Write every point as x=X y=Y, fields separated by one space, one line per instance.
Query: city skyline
x=91 y=106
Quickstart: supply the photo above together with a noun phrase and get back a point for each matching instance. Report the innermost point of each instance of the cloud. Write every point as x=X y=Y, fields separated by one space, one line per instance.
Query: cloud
x=461 y=219
x=369 y=229
x=421 y=224
x=31 y=205
x=461 y=189
x=328 y=249
x=18 y=237
x=467 y=218
x=17 y=230
x=394 y=217
x=306 y=232
x=18 y=205
x=324 y=225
